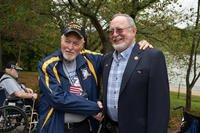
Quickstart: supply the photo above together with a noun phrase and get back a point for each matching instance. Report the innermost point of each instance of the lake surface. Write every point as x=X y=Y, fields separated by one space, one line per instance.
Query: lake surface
x=177 y=74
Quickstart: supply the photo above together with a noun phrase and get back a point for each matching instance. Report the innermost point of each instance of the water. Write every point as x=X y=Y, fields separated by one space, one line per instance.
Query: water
x=177 y=73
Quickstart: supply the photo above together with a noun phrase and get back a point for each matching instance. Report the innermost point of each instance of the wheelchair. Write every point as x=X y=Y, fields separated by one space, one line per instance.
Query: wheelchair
x=190 y=123
x=16 y=115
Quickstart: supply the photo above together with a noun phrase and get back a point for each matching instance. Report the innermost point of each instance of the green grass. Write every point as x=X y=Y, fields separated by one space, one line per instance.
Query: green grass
x=175 y=115
x=175 y=101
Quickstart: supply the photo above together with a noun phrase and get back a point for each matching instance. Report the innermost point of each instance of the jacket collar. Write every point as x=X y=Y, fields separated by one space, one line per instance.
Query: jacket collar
x=80 y=61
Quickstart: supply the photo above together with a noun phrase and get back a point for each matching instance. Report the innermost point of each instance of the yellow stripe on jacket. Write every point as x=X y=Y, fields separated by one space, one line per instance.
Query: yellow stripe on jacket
x=44 y=66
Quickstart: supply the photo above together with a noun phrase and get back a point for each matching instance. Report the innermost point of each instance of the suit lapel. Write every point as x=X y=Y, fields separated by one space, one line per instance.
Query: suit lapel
x=107 y=67
x=106 y=70
x=131 y=64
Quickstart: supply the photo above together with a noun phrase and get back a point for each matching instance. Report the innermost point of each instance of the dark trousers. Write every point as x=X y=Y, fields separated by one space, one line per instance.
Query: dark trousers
x=80 y=127
x=109 y=127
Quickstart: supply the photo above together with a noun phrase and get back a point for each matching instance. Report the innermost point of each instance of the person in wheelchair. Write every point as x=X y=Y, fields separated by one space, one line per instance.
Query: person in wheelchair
x=17 y=102
x=14 y=89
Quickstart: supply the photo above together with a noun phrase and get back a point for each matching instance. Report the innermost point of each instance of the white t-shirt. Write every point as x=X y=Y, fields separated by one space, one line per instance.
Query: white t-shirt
x=70 y=71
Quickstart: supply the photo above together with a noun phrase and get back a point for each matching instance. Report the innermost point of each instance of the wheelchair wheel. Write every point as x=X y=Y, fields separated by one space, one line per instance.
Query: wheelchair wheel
x=11 y=117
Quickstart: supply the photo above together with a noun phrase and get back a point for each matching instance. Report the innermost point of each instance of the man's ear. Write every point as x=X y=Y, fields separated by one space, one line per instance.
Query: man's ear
x=134 y=30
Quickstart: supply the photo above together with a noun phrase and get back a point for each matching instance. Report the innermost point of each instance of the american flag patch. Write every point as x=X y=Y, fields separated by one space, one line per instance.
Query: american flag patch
x=76 y=90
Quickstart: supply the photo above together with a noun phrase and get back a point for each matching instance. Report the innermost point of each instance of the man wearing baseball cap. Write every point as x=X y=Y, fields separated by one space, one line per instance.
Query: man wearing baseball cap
x=12 y=87
x=69 y=86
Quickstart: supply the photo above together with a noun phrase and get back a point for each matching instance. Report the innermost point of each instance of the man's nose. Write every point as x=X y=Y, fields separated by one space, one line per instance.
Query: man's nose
x=71 y=45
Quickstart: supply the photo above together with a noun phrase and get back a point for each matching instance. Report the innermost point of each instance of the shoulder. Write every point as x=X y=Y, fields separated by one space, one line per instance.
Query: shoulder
x=9 y=81
x=5 y=76
x=88 y=52
x=107 y=56
x=91 y=55
x=53 y=58
x=153 y=52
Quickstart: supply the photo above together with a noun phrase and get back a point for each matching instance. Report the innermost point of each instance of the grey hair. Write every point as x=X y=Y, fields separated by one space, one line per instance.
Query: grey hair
x=128 y=17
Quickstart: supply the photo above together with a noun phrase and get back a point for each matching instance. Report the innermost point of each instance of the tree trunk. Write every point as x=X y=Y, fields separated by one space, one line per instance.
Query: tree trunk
x=105 y=41
x=192 y=63
x=188 y=98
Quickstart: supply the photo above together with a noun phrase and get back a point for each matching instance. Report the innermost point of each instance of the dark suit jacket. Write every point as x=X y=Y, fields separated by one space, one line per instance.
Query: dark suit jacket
x=143 y=105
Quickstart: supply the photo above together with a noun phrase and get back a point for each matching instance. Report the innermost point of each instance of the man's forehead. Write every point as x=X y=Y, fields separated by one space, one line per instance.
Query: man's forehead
x=72 y=37
x=119 y=21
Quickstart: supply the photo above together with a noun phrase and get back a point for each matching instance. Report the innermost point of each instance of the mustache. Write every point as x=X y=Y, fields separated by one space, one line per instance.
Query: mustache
x=117 y=38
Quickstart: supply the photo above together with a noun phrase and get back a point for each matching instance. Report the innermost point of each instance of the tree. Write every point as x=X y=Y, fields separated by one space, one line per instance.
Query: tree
x=183 y=44
x=99 y=13
x=26 y=29
x=192 y=65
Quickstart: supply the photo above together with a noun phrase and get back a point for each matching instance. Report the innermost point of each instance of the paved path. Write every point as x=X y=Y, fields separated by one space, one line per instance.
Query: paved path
x=195 y=92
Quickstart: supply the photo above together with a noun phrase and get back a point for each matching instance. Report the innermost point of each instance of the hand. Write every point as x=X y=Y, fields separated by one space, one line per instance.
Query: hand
x=99 y=116
x=144 y=44
x=100 y=104
x=29 y=90
x=34 y=96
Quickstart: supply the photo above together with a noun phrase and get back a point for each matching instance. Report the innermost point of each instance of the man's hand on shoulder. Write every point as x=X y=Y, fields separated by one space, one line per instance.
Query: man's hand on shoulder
x=144 y=44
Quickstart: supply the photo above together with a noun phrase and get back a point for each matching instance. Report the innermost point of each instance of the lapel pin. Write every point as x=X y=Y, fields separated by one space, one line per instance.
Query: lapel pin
x=136 y=58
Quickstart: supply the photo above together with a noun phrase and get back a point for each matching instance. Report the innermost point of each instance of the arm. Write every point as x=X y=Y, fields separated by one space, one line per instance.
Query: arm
x=14 y=88
x=158 y=95
x=59 y=98
x=22 y=94
x=28 y=90
x=27 y=94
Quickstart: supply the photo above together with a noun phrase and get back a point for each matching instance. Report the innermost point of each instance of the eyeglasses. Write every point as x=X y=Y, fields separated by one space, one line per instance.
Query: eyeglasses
x=117 y=30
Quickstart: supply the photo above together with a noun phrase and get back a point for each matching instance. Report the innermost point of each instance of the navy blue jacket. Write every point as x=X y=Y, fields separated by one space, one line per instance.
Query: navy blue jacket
x=143 y=105
x=55 y=98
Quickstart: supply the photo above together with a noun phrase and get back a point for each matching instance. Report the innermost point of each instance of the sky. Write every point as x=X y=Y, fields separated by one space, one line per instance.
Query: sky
x=186 y=5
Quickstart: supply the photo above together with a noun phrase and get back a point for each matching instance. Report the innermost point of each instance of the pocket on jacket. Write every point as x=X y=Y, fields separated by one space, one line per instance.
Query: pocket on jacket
x=140 y=77
x=140 y=72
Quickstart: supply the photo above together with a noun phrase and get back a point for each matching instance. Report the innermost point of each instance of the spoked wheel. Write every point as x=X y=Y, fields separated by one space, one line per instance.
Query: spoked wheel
x=11 y=117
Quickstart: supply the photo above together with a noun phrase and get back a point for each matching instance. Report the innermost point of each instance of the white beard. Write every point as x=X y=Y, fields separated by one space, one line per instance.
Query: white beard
x=69 y=57
x=120 y=47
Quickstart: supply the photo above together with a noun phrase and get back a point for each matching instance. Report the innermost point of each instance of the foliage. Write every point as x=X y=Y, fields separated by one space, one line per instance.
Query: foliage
x=25 y=29
x=30 y=30
x=95 y=15
x=182 y=44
